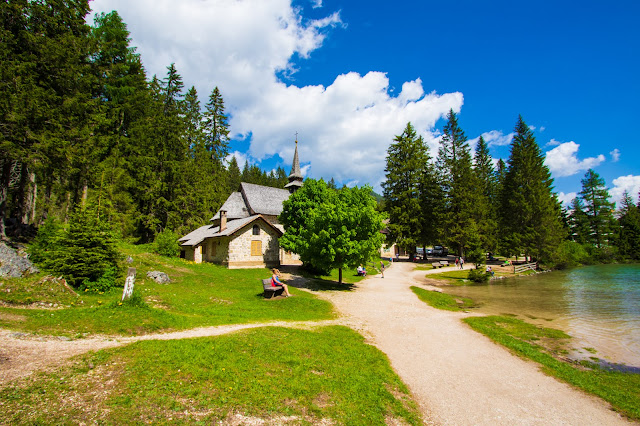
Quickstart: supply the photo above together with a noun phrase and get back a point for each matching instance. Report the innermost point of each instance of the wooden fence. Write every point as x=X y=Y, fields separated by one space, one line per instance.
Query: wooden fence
x=521 y=268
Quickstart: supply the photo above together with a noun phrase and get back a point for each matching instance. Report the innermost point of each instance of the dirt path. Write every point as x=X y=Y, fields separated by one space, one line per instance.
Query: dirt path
x=21 y=354
x=458 y=376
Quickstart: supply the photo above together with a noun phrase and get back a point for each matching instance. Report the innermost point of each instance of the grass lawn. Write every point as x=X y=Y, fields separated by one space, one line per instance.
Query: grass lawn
x=443 y=300
x=274 y=374
x=199 y=295
x=543 y=345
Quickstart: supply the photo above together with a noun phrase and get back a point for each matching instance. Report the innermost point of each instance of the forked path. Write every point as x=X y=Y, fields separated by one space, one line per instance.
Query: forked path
x=458 y=376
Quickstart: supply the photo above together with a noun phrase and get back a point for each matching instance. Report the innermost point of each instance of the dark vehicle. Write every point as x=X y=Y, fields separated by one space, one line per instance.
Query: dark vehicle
x=440 y=251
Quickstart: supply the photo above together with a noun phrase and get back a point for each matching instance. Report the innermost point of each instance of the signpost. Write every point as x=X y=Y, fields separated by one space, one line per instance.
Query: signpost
x=128 y=284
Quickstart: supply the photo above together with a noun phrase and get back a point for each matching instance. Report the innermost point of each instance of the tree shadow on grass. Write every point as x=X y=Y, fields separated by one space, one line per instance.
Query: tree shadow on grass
x=298 y=278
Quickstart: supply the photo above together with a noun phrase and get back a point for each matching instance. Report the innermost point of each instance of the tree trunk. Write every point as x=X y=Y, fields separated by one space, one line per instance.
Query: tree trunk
x=4 y=192
x=340 y=275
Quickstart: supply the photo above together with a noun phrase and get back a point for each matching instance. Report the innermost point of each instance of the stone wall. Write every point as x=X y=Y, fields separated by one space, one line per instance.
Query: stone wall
x=217 y=250
x=240 y=247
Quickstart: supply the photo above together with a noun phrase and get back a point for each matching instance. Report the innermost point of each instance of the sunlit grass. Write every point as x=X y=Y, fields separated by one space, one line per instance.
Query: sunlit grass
x=198 y=295
x=269 y=374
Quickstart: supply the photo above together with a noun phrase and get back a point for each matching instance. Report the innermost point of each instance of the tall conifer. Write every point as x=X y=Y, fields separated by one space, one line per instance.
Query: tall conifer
x=530 y=213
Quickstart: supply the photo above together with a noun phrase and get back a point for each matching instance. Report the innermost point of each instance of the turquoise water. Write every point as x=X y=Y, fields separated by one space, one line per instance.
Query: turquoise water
x=597 y=305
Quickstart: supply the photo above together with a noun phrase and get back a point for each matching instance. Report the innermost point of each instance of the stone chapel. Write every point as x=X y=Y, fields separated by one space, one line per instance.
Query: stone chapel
x=244 y=233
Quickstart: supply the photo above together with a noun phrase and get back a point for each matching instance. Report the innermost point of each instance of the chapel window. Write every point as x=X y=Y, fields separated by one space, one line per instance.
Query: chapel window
x=256 y=230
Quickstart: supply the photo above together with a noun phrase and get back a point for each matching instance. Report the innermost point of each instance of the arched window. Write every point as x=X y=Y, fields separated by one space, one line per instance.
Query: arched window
x=256 y=230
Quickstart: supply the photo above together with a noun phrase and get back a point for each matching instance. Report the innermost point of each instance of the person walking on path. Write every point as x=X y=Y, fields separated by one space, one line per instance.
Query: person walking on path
x=457 y=261
x=461 y=262
x=382 y=267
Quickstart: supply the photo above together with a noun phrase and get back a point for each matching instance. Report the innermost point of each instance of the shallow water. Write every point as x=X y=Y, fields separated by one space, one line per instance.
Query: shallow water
x=599 y=306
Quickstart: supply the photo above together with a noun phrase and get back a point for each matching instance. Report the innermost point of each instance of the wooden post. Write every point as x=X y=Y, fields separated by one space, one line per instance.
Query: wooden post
x=128 y=284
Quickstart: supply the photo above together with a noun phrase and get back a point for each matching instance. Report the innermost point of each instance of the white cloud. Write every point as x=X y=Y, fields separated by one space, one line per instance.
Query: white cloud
x=242 y=46
x=615 y=155
x=494 y=138
x=629 y=183
x=241 y=158
x=566 y=199
x=553 y=142
x=316 y=3
x=562 y=160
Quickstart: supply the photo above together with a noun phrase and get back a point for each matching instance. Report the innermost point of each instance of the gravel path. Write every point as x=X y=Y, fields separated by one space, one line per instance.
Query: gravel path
x=458 y=376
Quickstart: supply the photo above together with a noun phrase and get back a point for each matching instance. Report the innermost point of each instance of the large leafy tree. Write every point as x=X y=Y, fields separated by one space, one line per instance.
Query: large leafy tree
x=407 y=158
x=331 y=228
x=530 y=211
x=598 y=208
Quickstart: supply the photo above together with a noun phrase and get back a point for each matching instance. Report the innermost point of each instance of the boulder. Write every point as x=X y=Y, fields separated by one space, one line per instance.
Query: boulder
x=159 y=277
x=14 y=266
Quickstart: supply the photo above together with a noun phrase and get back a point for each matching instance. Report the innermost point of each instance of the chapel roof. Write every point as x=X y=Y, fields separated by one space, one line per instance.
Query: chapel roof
x=235 y=207
x=208 y=231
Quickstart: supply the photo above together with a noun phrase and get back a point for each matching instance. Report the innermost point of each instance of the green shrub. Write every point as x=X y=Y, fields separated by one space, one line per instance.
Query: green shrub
x=105 y=283
x=84 y=251
x=45 y=241
x=478 y=275
x=166 y=243
x=570 y=254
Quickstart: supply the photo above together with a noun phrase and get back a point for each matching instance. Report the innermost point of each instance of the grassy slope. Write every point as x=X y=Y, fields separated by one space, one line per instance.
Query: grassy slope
x=329 y=374
x=199 y=295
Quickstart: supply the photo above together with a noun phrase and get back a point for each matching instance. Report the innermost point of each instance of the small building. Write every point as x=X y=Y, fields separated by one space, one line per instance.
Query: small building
x=244 y=233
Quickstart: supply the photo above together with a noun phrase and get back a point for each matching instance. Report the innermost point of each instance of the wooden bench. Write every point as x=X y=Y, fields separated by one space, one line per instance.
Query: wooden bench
x=444 y=263
x=436 y=265
x=269 y=290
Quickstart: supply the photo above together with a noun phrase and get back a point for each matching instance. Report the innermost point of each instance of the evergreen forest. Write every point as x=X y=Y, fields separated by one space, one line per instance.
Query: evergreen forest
x=81 y=124
x=477 y=207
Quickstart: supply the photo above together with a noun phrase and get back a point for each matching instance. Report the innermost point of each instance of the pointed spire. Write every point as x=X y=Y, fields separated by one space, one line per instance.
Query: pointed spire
x=295 y=178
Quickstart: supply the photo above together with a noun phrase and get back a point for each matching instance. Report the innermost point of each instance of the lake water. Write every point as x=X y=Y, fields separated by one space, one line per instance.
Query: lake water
x=599 y=306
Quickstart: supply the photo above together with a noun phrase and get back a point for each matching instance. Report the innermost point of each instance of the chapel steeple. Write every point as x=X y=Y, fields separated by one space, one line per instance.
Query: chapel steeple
x=295 y=178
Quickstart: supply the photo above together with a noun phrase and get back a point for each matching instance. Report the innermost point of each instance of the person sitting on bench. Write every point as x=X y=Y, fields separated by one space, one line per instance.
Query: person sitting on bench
x=275 y=281
x=362 y=271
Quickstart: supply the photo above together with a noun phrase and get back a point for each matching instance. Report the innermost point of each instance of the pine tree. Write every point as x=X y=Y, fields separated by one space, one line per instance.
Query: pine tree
x=123 y=95
x=598 y=208
x=234 y=174
x=459 y=185
x=406 y=159
x=578 y=223
x=487 y=207
x=628 y=230
x=530 y=211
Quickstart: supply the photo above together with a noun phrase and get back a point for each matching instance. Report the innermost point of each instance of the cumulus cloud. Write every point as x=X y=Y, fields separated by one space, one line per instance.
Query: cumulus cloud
x=243 y=46
x=563 y=161
x=615 y=155
x=494 y=138
x=629 y=183
x=241 y=158
x=553 y=142
x=566 y=199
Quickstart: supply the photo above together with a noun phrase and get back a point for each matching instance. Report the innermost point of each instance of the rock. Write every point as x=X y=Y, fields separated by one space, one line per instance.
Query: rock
x=14 y=266
x=159 y=277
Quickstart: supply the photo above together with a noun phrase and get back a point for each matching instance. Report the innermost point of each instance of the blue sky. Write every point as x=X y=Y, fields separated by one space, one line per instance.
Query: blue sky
x=348 y=75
